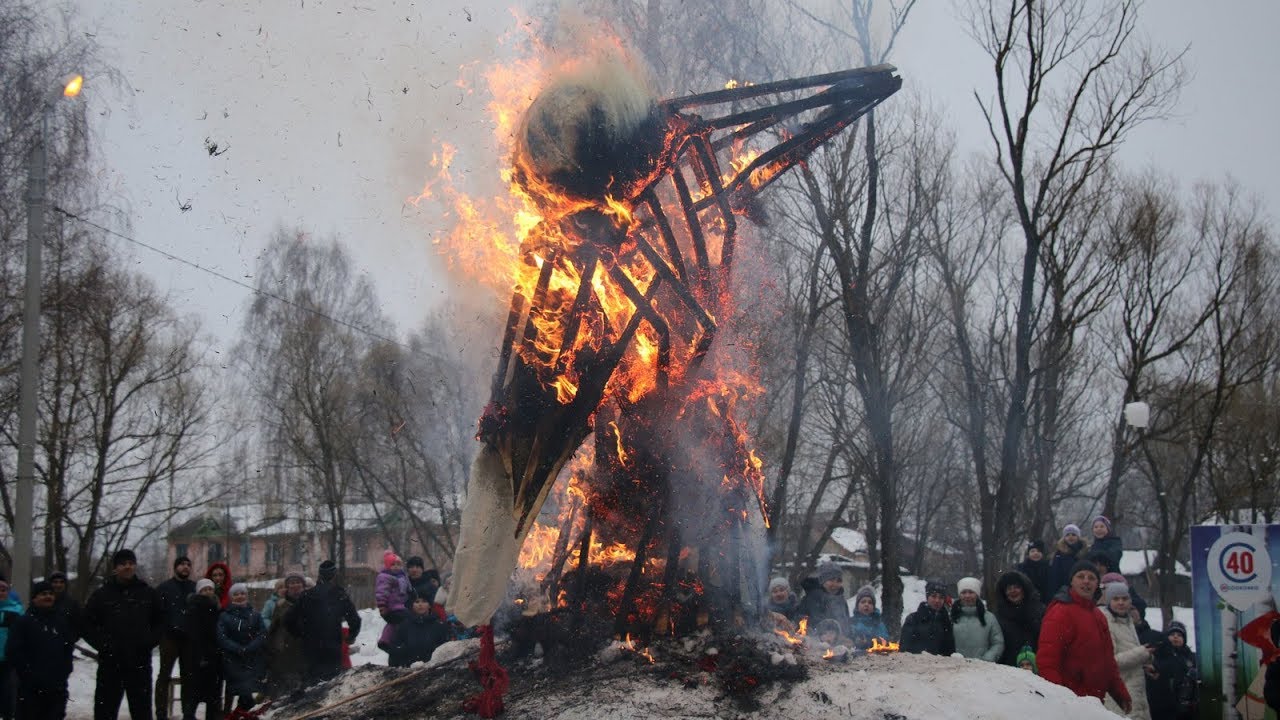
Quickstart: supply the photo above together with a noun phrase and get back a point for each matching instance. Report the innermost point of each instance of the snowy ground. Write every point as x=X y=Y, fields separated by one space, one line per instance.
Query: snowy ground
x=940 y=688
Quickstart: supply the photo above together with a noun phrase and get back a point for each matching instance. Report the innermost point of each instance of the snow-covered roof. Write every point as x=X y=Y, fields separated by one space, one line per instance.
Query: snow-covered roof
x=842 y=561
x=262 y=519
x=855 y=541
x=1136 y=562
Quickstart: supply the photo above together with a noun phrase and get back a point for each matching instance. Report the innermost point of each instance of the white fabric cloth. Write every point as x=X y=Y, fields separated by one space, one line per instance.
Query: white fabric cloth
x=487 y=546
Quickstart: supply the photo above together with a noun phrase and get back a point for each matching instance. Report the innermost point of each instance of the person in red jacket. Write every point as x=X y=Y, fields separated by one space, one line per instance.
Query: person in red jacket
x=1075 y=642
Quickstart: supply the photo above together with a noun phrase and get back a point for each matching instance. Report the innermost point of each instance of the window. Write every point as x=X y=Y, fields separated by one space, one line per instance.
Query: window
x=215 y=552
x=180 y=550
x=299 y=549
x=359 y=549
x=246 y=550
x=273 y=552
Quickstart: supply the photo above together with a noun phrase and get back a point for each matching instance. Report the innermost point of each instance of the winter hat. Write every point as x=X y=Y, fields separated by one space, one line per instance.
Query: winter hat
x=969 y=583
x=1102 y=519
x=1177 y=627
x=432 y=574
x=389 y=558
x=328 y=571
x=779 y=582
x=935 y=588
x=179 y=560
x=239 y=588
x=1114 y=590
x=829 y=571
x=57 y=575
x=1070 y=529
x=40 y=586
x=123 y=556
x=1113 y=577
x=423 y=596
x=827 y=626
x=1083 y=565
x=1036 y=545
x=295 y=576
x=1026 y=654
x=203 y=583
x=414 y=561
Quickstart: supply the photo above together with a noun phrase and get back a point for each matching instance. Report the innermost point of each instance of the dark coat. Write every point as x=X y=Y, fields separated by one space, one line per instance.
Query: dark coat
x=423 y=587
x=1041 y=576
x=1020 y=623
x=1076 y=649
x=39 y=649
x=201 y=659
x=1174 y=684
x=122 y=621
x=820 y=605
x=241 y=638
x=318 y=619
x=928 y=631
x=286 y=662
x=1064 y=556
x=417 y=638
x=1111 y=546
x=173 y=600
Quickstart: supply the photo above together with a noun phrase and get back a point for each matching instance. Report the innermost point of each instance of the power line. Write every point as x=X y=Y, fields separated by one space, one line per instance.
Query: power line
x=228 y=278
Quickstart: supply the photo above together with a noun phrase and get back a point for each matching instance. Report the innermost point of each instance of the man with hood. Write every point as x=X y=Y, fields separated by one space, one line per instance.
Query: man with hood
x=928 y=629
x=1076 y=651
x=173 y=601
x=318 y=621
x=866 y=625
x=1019 y=610
x=1037 y=568
x=1066 y=553
x=827 y=601
x=122 y=621
x=39 y=648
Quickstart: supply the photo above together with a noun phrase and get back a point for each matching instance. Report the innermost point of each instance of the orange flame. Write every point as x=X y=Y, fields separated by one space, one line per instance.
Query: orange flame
x=881 y=645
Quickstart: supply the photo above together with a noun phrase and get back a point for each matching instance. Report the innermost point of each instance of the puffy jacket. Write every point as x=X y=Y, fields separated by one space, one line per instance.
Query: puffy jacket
x=122 y=621
x=1019 y=623
x=865 y=628
x=417 y=638
x=39 y=648
x=241 y=637
x=10 y=611
x=173 y=600
x=1064 y=556
x=928 y=631
x=1076 y=650
x=318 y=617
x=1172 y=692
x=1130 y=657
x=820 y=605
x=1112 y=546
x=391 y=594
x=977 y=632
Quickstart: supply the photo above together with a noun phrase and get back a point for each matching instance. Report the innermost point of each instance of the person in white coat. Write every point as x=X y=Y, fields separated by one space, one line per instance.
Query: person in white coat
x=1133 y=658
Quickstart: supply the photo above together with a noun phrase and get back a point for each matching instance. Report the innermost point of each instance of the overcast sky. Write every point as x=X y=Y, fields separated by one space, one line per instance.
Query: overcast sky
x=324 y=115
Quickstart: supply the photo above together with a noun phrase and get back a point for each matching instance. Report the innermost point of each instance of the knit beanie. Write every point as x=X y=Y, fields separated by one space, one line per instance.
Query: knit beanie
x=829 y=571
x=1026 y=654
x=1070 y=530
x=179 y=560
x=389 y=558
x=1102 y=519
x=969 y=583
x=40 y=586
x=239 y=588
x=415 y=561
x=779 y=582
x=328 y=571
x=1114 y=590
x=123 y=556
x=1114 y=577
x=1177 y=627
x=827 y=626
x=866 y=591
x=1083 y=565
x=203 y=583
x=1036 y=545
x=935 y=588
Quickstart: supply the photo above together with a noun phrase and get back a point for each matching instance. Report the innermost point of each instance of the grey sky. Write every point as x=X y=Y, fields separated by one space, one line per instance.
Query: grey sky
x=325 y=115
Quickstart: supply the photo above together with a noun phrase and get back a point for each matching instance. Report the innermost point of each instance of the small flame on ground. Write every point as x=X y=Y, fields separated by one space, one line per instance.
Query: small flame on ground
x=881 y=645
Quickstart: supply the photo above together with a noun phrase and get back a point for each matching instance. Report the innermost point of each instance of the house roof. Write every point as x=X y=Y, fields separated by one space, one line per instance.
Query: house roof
x=259 y=520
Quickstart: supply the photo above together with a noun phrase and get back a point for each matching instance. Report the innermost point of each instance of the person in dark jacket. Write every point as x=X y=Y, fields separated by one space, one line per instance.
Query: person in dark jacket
x=1066 y=553
x=39 y=648
x=1076 y=651
x=928 y=629
x=421 y=580
x=201 y=659
x=318 y=621
x=827 y=602
x=1037 y=568
x=866 y=625
x=286 y=662
x=1019 y=610
x=241 y=637
x=122 y=621
x=419 y=635
x=63 y=603
x=1105 y=541
x=173 y=601
x=1173 y=689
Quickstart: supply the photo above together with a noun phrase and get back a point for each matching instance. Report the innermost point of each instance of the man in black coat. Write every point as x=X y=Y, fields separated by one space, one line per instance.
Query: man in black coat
x=1038 y=570
x=422 y=581
x=66 y=605
x=173 y=601
x=39 y=648
x=928 y=629
x=1019 y=610
x=317 y=619
x=122 y=621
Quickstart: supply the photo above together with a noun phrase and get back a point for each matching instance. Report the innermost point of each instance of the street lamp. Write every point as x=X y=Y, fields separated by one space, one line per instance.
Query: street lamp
x=29 y=378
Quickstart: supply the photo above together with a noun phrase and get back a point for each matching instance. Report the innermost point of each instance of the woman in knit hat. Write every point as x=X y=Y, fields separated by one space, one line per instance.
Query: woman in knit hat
x=1068 y=551
x=866 y=624
x=391 y=593
x=977 y=631
x=827 y=601
x=1132 y=657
